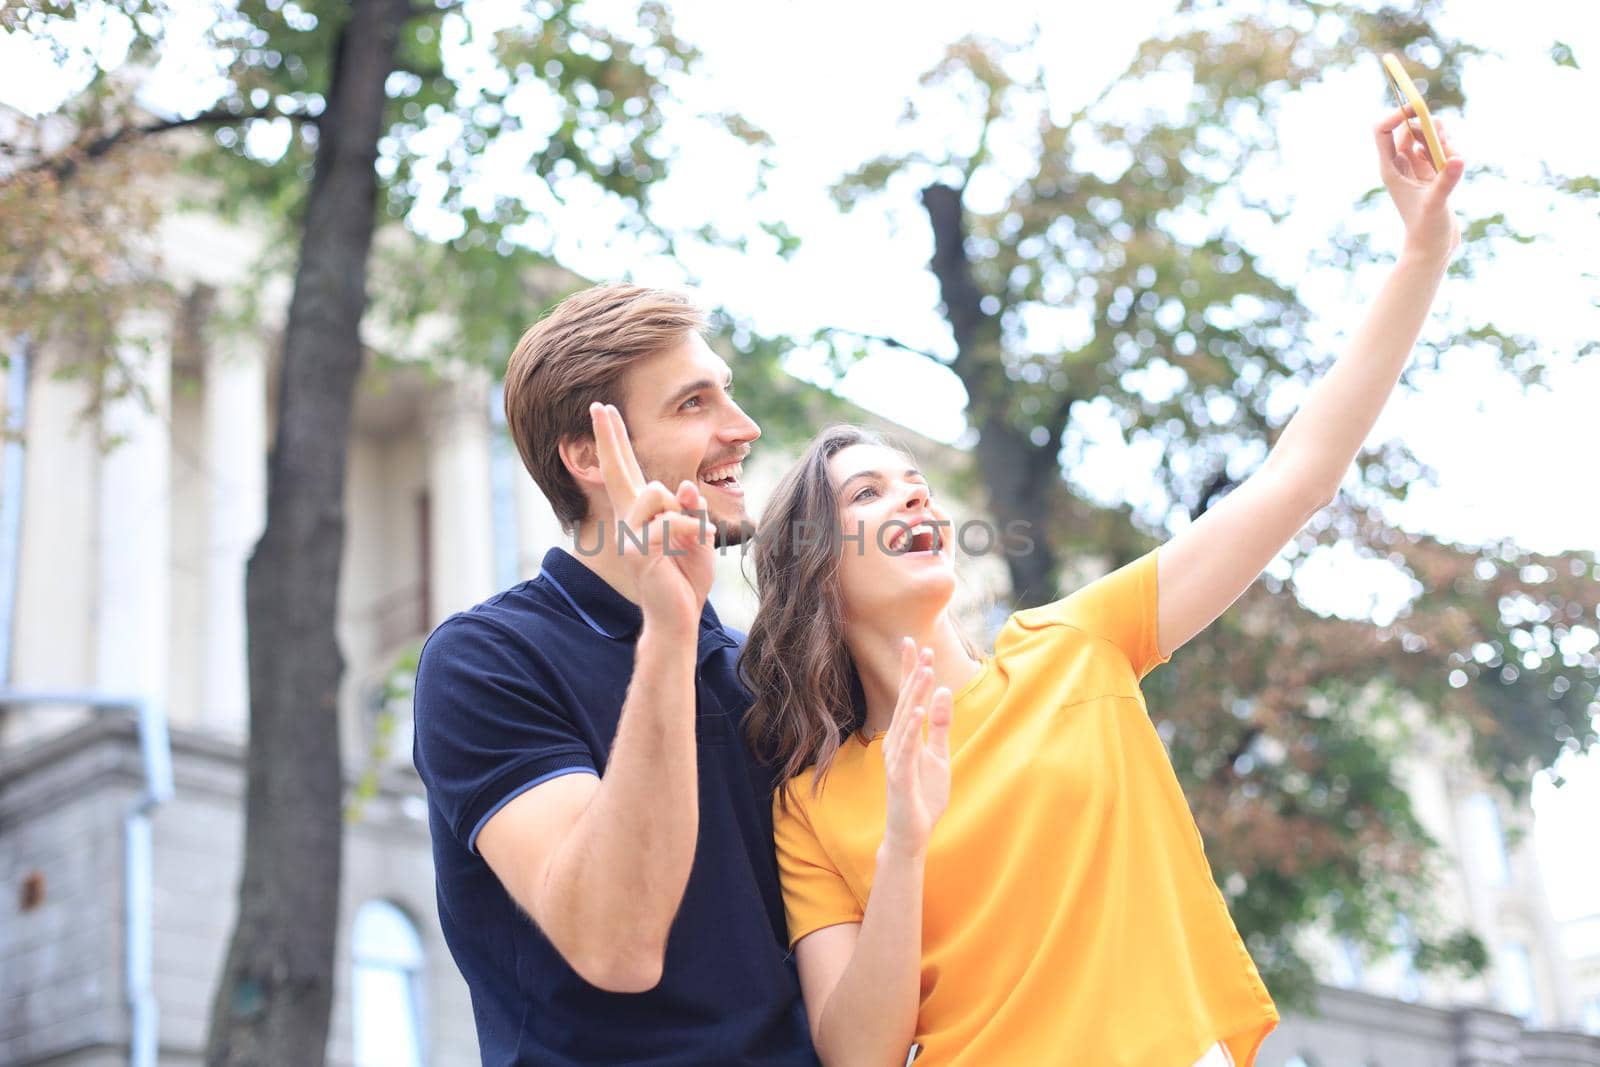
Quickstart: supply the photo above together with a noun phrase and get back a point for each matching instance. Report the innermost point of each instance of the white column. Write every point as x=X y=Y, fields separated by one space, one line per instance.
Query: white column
x=460 y=526
x=52 y=636
x=235 y=434
x=134 y=525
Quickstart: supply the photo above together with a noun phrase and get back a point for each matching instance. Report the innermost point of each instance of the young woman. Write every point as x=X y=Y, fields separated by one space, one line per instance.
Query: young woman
x=1062 y=910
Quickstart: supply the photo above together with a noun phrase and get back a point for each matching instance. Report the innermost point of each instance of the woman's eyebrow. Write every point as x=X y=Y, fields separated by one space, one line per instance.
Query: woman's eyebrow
x=911 y=472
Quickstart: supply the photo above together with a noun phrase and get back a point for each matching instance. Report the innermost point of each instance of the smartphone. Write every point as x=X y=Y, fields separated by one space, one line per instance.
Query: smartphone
x=1406 y=95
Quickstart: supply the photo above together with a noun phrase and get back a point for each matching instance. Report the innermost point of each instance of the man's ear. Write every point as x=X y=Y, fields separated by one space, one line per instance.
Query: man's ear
x=582 y=460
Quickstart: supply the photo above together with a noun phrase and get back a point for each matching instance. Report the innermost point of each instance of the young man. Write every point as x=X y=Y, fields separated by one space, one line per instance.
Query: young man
x=602 y=838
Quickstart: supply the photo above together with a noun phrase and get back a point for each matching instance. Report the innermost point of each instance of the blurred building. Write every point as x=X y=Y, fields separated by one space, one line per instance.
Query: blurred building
x=1527 y=1006
x=122 y=573
x=1581 y=938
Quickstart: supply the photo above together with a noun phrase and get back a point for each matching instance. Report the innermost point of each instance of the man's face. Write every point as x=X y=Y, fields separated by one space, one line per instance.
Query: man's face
x=684 y=425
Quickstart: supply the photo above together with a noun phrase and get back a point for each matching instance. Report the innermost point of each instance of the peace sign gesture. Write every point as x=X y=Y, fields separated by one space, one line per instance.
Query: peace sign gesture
x=1419 y=191
x=662 y=536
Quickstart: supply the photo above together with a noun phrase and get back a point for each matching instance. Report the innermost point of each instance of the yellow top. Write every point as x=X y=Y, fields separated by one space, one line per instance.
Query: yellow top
x=1070 y=915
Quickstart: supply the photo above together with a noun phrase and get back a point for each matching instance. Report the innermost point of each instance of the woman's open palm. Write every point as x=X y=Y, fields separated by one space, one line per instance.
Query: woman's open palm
x=916 y=769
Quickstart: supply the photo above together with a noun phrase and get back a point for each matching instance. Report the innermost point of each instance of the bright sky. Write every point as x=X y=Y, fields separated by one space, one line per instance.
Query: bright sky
x=829 y=80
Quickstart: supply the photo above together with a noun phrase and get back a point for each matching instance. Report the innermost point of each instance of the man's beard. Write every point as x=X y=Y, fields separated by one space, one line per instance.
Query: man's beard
x=725 y=532
x=731 y=534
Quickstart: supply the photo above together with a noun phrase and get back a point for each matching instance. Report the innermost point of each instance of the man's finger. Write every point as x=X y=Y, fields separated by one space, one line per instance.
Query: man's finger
x=653 y=502
x=662 y=532
x=620 y=486
x=693 y=503
x=649 y=501
x=630 y=462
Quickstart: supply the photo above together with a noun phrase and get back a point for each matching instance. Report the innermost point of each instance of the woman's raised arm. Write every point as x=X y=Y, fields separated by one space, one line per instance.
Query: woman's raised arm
x=1206 y=567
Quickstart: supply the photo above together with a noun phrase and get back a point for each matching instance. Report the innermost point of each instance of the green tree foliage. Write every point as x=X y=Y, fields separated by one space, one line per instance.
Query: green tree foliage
x=1113 y=261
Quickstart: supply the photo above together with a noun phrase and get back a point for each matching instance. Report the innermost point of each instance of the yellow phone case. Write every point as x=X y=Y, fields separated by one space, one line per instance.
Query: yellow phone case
x=1405 y=92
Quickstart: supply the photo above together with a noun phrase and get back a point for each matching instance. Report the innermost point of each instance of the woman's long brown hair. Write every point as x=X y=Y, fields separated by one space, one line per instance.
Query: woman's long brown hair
x=795 y=662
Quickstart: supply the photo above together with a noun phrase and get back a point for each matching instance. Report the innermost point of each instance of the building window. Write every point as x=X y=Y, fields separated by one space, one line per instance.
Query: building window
x=1518 y=993
x=386 y=994
x=1487 y=840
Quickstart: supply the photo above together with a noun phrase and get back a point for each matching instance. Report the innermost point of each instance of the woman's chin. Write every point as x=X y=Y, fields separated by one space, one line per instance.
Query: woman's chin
x=925 y=593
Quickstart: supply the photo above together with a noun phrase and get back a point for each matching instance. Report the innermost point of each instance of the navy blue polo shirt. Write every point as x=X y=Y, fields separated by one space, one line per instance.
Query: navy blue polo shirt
x=527 y=686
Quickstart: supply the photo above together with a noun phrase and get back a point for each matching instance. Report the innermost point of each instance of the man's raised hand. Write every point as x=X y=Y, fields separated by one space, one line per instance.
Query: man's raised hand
x=664 y=537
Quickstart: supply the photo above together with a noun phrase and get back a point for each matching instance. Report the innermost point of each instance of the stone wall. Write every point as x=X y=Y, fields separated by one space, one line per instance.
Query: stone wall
x=62 y=991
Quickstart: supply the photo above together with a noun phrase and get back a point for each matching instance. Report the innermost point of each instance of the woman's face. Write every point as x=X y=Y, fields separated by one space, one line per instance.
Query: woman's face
x=897 y=550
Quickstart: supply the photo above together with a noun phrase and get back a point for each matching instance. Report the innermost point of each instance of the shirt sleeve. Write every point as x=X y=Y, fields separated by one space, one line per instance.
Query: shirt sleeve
x=1122 y=608
x=486 y=729
x=815 y=894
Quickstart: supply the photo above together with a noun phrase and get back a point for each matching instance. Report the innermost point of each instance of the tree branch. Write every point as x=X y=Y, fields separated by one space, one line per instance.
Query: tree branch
x=422 y=11
x=1060 y=414
x=66 y=164
x=962 y=298
x=1225 y=770
x=427 y=74
x=884 y=339
x=1220 y=483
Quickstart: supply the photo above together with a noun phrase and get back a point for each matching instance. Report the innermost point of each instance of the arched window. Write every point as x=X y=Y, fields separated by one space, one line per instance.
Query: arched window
x=386 y=994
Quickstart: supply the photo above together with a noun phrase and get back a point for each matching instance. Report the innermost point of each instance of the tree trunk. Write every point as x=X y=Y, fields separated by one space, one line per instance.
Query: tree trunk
x=1022 y=479
x=274 y=998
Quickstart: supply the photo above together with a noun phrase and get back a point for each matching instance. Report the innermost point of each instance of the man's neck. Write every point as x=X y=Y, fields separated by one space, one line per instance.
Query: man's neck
x=595 y=546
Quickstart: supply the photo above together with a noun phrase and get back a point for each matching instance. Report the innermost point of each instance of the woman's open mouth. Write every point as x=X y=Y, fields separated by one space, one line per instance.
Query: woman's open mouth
x=924 y=537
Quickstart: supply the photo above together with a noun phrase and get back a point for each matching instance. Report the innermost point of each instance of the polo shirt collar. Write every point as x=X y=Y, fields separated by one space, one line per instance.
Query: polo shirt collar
x=606 y=611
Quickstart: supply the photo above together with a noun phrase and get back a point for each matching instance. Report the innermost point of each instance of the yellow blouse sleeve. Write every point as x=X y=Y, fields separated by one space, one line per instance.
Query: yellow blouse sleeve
x=1120 y=608
x=815 y=894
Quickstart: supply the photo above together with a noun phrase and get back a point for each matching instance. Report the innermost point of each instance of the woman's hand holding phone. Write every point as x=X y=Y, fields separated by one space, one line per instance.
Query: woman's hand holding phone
x=1420 y=173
